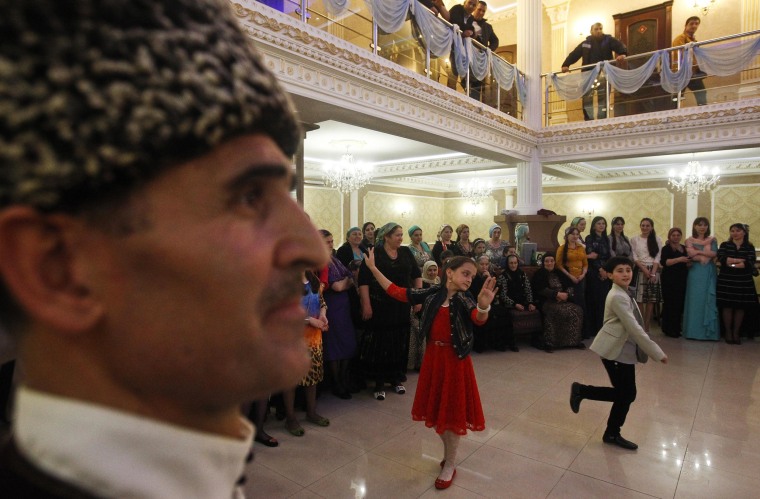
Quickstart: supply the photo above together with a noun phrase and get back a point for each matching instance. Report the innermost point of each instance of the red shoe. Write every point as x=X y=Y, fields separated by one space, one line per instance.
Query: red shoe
x=444 y=484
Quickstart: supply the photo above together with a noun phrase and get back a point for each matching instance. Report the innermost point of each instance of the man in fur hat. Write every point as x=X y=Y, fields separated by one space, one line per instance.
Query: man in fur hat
x=150 y=251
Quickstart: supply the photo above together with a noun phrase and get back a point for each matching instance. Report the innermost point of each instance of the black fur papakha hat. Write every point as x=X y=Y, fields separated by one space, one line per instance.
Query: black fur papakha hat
x=104 y=94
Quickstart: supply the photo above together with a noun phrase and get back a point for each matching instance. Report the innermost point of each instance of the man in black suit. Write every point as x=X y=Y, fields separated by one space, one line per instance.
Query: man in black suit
x=462 y=16
x=150 y=252
x=596 y=48
x=484 y=34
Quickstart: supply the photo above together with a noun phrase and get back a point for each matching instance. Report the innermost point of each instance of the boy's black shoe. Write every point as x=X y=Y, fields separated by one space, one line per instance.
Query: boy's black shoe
x=575 y=397
x=619 y=441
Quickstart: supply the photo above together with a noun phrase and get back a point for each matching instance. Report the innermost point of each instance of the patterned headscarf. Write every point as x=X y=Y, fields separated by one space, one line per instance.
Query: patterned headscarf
x=440 y=230
x=412 y=229
x=98 y=95
x=383 y=231
x=352 y=229
x=425 y=267
x=493 y=228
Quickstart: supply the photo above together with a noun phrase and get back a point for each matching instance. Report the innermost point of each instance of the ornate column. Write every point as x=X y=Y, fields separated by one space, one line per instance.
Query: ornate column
x=529 y=59
x=353 y=210
x=557 y=11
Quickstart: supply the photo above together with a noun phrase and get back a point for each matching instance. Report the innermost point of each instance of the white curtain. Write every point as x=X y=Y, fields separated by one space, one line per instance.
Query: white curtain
x=575 y=85
x=727 y=58
x=507 y=75
x=336 y=7
x=437 y=35
x=389 y=14
x=629 y=81
x=673 y=82
x=460 y=53
x=479 y=59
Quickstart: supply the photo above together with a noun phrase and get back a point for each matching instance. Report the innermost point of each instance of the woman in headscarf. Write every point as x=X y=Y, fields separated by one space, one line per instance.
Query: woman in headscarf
x=430 y=274
x=384 y=349
x=563 y=319
x=420 y=248
x=495 y=249
x=340 y=343
x=416 y=340
x=515 y=293
x=478 y=249
x=444 y=243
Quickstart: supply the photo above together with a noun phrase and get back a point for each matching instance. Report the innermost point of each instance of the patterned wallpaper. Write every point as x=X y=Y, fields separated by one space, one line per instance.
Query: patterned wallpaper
x=406 y=210
x=736 y=204
x=478 y=217
x=632 y=205
x=324 y=206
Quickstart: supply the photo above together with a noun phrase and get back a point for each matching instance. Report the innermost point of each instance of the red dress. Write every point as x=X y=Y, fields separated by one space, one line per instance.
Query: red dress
x=447 y=395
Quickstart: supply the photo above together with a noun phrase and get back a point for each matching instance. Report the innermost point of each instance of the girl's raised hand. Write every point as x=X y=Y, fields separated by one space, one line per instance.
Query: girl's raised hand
x=487 y=293
x=370 y=258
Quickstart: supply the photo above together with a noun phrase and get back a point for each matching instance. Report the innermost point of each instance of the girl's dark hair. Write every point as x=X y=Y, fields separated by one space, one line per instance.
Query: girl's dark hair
x=456 y=262
x=613 y=243
x=593 y=223
x=446 y=254
x=698 y=221
x=745 y=228
x=364 y=227
x=568 y=231
x=615 y=261
x=652 y=245
x=459 y=230
x=313 y=279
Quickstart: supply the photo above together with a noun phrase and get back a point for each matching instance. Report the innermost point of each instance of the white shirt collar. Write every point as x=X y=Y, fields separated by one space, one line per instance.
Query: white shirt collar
x=116 y=454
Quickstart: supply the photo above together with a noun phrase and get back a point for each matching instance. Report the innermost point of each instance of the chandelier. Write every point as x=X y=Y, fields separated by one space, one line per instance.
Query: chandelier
x=694 y=179
x=475 y=191
x=347 y=175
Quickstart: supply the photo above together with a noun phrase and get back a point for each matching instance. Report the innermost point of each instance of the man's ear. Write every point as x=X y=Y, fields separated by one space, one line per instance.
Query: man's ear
x=37 y=263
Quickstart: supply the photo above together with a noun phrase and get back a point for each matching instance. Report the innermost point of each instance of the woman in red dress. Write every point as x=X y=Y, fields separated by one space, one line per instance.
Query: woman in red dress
x=447 y=397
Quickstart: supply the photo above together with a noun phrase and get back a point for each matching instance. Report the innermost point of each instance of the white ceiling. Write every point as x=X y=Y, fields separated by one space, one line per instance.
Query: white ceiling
x=379 y=149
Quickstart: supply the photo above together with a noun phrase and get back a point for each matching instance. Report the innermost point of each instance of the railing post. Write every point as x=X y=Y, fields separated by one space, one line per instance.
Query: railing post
x=607 y=100
x=546 y=101
x=374 y=35
x=427 y=62
x=498 y=95
x=303 y=10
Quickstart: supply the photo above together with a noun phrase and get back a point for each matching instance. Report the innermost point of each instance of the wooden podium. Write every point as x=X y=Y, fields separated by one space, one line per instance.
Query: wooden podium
x=543 y=230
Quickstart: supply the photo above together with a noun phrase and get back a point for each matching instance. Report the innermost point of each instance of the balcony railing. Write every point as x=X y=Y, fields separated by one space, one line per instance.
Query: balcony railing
x=743 y=82
x=404 y=47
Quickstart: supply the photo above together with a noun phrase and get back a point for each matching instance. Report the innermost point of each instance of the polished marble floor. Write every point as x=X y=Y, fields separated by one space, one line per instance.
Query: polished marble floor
x=696 y=420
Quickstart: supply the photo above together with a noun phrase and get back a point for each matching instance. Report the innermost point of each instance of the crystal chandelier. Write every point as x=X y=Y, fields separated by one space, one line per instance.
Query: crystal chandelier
x=703 y=5
x=347 y=175
x=475 y=191
x=694 y=179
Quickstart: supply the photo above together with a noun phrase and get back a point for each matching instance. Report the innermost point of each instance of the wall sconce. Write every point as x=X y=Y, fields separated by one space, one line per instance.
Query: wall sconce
x=404 y=210
x=587 y=210
x=471 y=210
x=704 y=5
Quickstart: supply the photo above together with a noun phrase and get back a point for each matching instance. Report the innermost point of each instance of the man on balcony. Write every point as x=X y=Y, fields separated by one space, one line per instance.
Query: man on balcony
x=462 y=16
x=483 y=33
x=596 y=48
x=697 y=84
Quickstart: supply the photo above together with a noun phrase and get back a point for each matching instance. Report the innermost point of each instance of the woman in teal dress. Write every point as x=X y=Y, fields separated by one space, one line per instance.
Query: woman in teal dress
x=700 y=317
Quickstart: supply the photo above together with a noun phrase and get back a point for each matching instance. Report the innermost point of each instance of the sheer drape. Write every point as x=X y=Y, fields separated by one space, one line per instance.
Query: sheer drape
x=630 y=80
x=336 y=7
x=479 y=59
x=437 y=35
x=389 y=14
x=727 y=59
x=674 y=82
x=575 y=85
x=507 y=75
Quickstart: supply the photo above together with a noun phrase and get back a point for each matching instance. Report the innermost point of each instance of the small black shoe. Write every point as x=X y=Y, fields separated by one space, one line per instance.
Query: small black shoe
x=514 y=348
x=619 y=441
x=575 y=397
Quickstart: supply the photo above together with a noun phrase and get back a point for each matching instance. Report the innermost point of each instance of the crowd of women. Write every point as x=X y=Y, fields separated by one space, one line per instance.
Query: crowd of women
x=365 y=334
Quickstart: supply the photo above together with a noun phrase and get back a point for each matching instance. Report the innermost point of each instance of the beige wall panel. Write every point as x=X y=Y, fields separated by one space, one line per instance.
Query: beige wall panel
x=632 y=205
x=325 y=207
x=736 y=204
x=478 y=217
x=405 y=210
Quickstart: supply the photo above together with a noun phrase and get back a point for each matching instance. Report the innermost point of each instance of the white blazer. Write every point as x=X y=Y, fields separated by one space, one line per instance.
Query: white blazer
x=620 y=325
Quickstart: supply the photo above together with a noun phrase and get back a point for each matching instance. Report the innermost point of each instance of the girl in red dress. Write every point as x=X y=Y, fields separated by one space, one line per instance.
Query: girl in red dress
x=447 y=396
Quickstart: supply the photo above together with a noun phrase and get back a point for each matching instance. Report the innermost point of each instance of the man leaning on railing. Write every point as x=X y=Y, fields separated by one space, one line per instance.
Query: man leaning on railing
x=696 y=84
x=596 y=48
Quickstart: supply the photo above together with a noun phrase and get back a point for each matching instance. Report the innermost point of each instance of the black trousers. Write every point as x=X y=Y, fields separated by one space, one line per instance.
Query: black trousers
x=622 y=394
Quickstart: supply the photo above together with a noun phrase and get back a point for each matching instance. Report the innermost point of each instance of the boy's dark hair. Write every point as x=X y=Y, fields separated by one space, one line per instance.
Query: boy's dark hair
x=616 y=261
x=692 y=18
